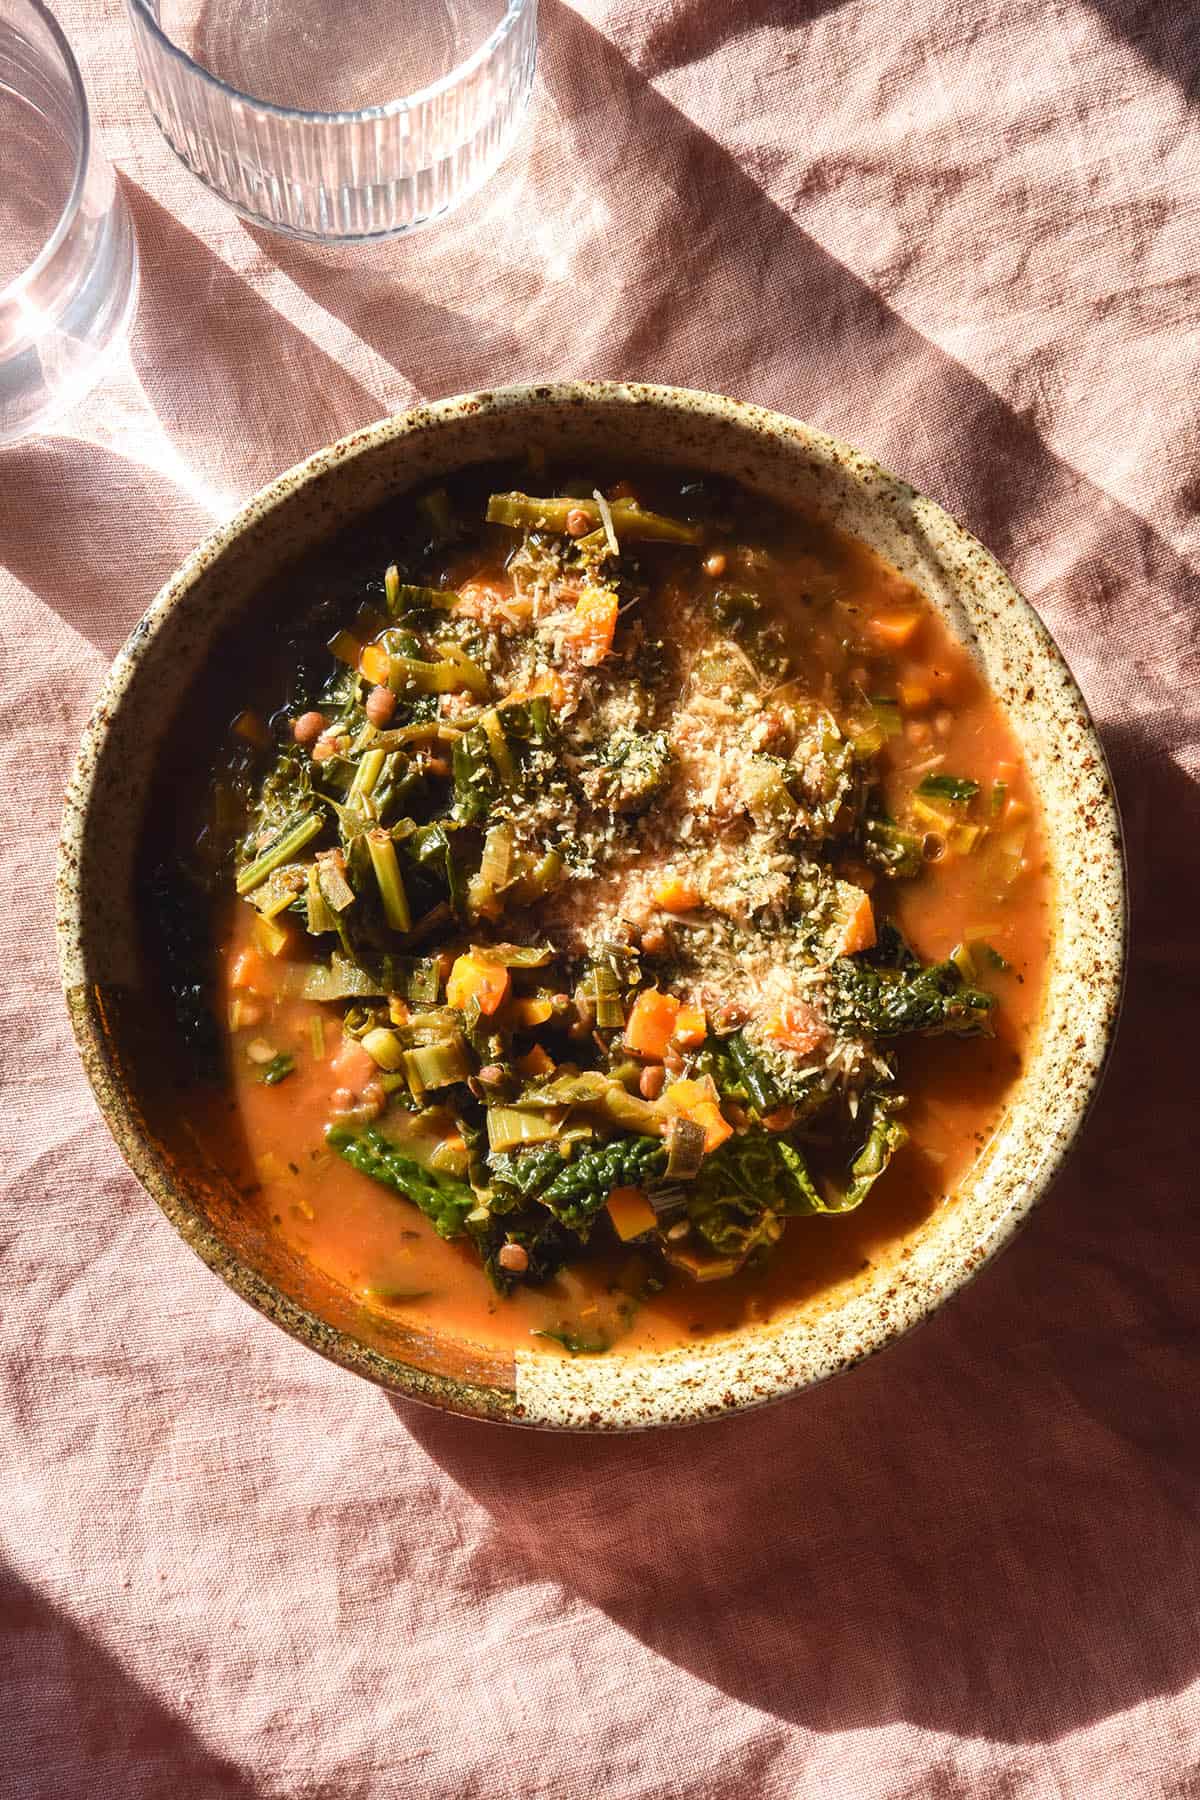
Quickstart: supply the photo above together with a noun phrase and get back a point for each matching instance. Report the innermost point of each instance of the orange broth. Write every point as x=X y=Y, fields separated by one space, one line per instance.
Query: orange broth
x=833 y=593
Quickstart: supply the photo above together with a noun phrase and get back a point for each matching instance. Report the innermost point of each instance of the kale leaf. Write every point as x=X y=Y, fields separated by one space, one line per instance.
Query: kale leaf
x=582 y=1187
x=885 y=1135
x=887 y=847
x=753 y=1183
x=548 y=1244
x=889 y=1001
x=633 y=768
x=476 y=782
x=518 y=1176
x=957 y=789
x=443 y=1199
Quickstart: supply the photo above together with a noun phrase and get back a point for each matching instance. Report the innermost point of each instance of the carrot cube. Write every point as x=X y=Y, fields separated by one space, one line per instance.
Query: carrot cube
x=691 y=1028
x=675 y=894
x=631 y=1213
x=895 y=629
x=593 y=625
x=473 y=978
x=858 y=932
x=915 y=696
x=651 y=1023
x=373 y=663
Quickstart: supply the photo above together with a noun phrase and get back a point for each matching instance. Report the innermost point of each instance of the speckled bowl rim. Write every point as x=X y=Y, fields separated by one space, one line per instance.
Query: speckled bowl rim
x=766 y=1363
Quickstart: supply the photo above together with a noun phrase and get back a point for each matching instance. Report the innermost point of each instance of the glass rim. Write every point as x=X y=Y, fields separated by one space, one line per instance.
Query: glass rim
x=387 y=109
x=66 y=217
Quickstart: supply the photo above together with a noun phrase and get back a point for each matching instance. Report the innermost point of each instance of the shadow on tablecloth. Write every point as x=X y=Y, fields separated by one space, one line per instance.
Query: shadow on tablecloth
x=990 y=1530
x=71 y=1708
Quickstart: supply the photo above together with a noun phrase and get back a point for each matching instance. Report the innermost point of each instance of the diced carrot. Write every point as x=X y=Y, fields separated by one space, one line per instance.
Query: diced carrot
x=474 y=978
x=675 y=894
x=1006 y=772
x=796 y=1026
x=530 y=1013
x=858 y=933
x=895 y=629
x=535 y=1062
x=373 y=663
x=593 y=625
x=631 y=1213
x=455 y=1142
x=691 y=1028
x=549 y=683
x=272 y=937
x=915 y=696
x=479 y=597
x=1014 y=812
x=250 y=727
x=651 y=1024
x=697 y=1100
x=715 y=1125
x=398 y=1010
x=249 y=971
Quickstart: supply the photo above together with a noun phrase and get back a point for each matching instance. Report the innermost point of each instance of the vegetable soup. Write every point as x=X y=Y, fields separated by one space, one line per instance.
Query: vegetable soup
x=611 y=914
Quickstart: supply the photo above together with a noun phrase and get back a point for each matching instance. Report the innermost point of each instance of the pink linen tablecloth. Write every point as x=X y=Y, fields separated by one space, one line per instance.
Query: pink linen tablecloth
x=965 y=237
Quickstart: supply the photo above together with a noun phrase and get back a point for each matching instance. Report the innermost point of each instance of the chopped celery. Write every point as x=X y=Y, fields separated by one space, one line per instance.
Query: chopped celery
x=420 y=729
x=366 y=775
x=384 y=861
x=331 y=878
x=964 y=962
x=406 y=674
x=449 y=1158
x=470 y=675
x=537 y=879
x=495 y=868
x=270 y=937
x=510 y=1129
x=517 y=956
x=525 y=513
x=286 y=846
x=603 y=990
x=685 y=1149
x=278 y=891
x=407 y=598
x=963 y=839
x=498 y=745
x=384 y=1048
x=932 y=818
x=321 y=916
x=316 y=1036
x=436 y=1065
x=346 y=648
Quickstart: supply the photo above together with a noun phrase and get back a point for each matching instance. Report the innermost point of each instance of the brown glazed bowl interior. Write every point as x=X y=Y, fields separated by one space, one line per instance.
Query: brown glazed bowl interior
x=125 y=1032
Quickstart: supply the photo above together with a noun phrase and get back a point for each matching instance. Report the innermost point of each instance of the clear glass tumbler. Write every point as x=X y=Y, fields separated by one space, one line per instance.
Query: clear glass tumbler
x=68 y=257
x=337 y=120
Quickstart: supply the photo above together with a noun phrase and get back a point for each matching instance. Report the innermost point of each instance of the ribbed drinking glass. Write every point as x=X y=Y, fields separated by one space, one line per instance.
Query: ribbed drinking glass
x=68 y=258
x=338 y=121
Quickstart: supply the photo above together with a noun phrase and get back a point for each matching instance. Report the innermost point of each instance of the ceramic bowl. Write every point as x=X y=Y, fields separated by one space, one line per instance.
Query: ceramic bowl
x=122 y=1028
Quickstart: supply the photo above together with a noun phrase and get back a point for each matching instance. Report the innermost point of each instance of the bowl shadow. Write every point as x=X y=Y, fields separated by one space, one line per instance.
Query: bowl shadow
x=991 y=1530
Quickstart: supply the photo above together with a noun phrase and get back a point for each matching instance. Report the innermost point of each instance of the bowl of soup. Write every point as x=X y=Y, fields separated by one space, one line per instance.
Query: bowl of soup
x=592 y=906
